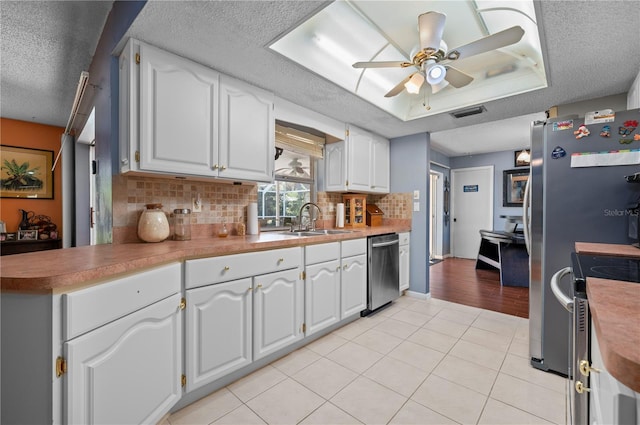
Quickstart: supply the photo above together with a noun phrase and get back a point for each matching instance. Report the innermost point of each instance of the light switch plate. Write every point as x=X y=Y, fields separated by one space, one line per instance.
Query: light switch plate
x=196 y=205
x=416 y=206
x=416 y=194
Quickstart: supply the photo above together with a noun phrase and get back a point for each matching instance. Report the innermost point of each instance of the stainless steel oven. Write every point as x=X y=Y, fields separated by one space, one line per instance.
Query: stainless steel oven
x=583 y=267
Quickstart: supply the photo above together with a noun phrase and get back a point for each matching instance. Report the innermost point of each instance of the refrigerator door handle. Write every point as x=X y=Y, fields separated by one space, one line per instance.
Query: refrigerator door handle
x=566 y=302
x=525 y=214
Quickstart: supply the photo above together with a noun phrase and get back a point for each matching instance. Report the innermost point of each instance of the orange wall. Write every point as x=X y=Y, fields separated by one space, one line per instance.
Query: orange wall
x=37 y=136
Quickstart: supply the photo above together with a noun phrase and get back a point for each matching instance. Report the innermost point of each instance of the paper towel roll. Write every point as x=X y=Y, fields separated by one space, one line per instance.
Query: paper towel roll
x=340 y=215
x=252 y=219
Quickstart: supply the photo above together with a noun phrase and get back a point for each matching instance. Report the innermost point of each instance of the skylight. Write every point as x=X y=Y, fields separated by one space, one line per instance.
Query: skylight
x=345 y=32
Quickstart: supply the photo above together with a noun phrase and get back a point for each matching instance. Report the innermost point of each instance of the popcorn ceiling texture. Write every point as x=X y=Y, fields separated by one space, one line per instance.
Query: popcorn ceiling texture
x=221 y=203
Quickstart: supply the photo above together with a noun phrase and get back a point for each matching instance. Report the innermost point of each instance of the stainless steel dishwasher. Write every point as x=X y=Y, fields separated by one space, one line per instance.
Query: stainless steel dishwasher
x=383 y=279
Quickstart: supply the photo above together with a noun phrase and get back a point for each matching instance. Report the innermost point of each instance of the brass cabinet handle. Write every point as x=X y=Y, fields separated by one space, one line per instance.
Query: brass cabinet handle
x=258 y=287
x=215 y=166
x=280 y=260
x=345 y=267
x=580 y=388
x=222 y=168
x=585 y=368
x=227 y=268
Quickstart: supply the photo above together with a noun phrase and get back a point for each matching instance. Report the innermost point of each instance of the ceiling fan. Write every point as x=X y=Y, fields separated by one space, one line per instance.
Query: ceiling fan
x=433 y=50
x=295 y=169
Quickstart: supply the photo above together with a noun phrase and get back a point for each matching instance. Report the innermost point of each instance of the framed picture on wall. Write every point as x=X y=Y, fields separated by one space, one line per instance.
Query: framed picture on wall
x=26 y=173
x=513 y=185
x=522 y=158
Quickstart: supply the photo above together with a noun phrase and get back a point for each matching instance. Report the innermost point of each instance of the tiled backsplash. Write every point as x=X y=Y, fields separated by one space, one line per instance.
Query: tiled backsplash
x=221 y=203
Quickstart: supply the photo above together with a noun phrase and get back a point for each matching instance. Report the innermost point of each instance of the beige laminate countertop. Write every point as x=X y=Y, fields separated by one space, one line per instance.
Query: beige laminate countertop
x=67 y=269
x=615 y=313
x=616 y=316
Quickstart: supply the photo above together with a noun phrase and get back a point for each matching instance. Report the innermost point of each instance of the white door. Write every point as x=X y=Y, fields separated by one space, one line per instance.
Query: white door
x=322 y=296
x=218 y=331
x=354 y=285
x=472 y=209
x=128 y=371
x=278 y=304
x=436 y=209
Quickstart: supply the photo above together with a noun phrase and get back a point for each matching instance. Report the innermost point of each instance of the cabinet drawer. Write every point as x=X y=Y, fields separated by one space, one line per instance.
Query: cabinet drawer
x=90 y=308
x=206 y=271
x=404 y=238
x=354 y=247
x=314 y=254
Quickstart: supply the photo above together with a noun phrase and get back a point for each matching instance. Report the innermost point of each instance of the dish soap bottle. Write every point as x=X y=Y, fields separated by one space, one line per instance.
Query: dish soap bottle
x=153 y=225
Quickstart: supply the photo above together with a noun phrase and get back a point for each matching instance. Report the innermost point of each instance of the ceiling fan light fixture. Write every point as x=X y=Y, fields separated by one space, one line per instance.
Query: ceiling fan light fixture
x=414 y=83
x=435 y=88
x=436 y=74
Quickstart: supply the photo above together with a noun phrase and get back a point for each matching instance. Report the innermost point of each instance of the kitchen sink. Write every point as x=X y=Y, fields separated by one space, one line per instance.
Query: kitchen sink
x=319 y=232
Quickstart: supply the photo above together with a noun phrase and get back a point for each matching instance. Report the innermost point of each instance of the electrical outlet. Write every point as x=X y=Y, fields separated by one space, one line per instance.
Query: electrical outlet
x=196 y=205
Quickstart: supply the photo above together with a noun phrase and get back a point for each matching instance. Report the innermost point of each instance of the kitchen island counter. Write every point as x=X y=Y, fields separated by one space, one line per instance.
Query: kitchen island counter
x=72 y=268
x=614 y=310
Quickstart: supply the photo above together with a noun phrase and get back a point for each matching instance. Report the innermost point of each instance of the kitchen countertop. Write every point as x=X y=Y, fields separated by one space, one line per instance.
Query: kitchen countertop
x=70 y=268
x=607 y=249
x=614 y=309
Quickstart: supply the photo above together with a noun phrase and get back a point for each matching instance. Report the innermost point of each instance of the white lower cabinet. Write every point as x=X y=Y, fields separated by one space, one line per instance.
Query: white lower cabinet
x=218 y=337
x=127 y=371
x=322 y=298
x=335 y=284
x=354 y=285
x=240 y=308
x=405 y=254
x=278 y=303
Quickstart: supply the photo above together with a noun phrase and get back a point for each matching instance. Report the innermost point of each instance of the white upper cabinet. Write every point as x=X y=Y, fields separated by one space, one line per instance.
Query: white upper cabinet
x=358 y=164
x=180 y=117
x=247 y=132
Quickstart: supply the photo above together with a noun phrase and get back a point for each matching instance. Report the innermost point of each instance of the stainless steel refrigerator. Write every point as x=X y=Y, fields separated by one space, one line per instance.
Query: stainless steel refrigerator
x=572 y=204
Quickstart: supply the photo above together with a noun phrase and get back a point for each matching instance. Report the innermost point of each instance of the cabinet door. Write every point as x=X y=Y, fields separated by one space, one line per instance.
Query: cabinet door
x=322 y=296
x=218 y=331
x=247 y=132
x=380 y=167
x=404 y=253
x=354 y=285
x=128 y=371
x=278 y=301
x=359 y=160
x=335 y=167
x=178 y=114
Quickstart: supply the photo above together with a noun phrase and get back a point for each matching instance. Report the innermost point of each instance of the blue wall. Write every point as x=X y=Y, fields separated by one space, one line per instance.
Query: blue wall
x=501 y=161
x=409 y=172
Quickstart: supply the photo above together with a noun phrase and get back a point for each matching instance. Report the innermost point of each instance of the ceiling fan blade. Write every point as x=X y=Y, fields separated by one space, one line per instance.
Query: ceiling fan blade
x=491 y=42
x=431 y=26
x=383 y=64
x=398 y=88
x=457 y=78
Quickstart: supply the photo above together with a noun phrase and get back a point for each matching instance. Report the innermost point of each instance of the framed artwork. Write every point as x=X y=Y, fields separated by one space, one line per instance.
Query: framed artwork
x=26 y=173
x=28 y=235
x=513 y=186
x=522 y=158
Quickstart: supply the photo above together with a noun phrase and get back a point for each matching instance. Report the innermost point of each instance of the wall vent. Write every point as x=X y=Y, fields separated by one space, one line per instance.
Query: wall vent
x=460 y=113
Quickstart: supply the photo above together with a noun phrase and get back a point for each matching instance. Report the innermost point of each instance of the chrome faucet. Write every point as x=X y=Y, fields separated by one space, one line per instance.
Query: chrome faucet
x=312 y=224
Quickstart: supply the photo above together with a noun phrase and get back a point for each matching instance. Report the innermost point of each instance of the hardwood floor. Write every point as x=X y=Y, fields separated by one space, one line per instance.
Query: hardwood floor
x=457 y=280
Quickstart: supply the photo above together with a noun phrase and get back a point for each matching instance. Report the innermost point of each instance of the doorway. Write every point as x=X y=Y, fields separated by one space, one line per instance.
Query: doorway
x=436 y=223
x=472 y=208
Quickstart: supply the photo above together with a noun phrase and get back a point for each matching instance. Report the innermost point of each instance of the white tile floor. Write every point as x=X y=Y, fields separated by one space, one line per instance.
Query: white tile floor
x=416 y=362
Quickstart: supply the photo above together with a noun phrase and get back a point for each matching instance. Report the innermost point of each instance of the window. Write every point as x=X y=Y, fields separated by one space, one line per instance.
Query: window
x=297 y=149
x=279 y=202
